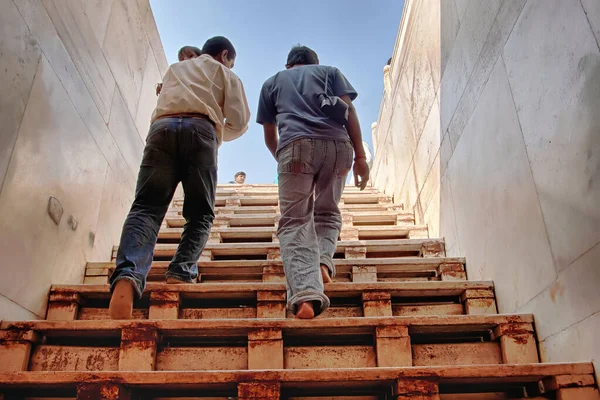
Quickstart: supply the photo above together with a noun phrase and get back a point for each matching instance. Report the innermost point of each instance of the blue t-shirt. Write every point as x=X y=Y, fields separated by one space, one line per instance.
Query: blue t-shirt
x=290 y=99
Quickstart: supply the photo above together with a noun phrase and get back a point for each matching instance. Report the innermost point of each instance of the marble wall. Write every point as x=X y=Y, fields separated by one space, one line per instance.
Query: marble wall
x=77 y=82
x=490 y=131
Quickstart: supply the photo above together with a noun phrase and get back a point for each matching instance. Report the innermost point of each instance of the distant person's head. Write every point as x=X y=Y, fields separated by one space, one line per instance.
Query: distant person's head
x=188 y=52
x=221 y=49
x=240 y=177
x=301 y=55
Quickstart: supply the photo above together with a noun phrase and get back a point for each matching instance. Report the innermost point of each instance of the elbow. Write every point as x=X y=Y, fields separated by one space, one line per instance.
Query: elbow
x=232 y=132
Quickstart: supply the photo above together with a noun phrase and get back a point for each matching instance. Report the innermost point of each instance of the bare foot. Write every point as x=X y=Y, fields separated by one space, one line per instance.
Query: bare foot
x=325 y=274
x=121 y=302
x=305 y=311
x=174 y=280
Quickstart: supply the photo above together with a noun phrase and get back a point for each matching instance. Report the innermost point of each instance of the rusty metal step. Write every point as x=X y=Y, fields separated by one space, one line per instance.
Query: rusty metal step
x=268 y=300
x=348 y=249
x=542 y=381
x=260 y=189
x=223 y=208
x=271 y=199
x=256 y=220
x=347 y=270
x=252 y=344
x=268 y=234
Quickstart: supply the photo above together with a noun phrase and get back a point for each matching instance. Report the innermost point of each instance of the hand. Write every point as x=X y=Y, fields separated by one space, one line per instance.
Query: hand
x=158 y=88
x=361 y=169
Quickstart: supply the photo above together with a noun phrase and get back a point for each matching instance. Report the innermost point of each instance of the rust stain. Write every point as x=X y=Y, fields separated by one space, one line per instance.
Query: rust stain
x=139 y=333
x=139 y=345
x=55 y=359
x=164 y=297
x=257 y=390
x=95 y=362
x=521 y=339
x=421 y=388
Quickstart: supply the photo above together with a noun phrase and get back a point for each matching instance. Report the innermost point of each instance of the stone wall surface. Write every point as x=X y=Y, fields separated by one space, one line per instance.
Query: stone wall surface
x=77 y=82
x=490 y=131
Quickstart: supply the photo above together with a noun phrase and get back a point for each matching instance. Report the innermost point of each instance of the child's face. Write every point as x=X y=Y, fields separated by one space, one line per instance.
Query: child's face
x=187 y=55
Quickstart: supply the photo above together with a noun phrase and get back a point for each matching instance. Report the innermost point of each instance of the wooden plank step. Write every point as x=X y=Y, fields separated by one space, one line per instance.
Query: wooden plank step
x=224 y=234
x=345 y=249
x=268 y=300
x=347 y=270
x=373 y=218
x=563 y=381
x=252 y=344
x=270 y=188
x=273 y=191
x=345 y=208
x=273 y=199
x=548 y=381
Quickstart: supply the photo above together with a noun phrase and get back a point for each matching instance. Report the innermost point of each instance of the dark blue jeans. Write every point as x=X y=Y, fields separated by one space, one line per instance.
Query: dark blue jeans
x=177 y=150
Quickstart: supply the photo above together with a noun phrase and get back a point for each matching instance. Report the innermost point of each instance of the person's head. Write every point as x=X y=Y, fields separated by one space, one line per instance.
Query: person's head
x=188 y=52
x=301 y=55
x=240 y=177
x=221 y=49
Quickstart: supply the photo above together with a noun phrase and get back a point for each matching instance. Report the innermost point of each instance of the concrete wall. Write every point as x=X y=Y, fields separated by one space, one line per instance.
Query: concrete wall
x=77 y=79
x=491 y=132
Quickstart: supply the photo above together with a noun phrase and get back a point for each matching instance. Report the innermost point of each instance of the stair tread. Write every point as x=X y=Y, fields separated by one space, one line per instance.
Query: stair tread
x=404 y=261
x=274 y=208
x=384 y=269
x=444 y=288
x=360 y=214
x=250 y=233
x=260 y=229
x=387 y=243
x=464 y=374
x=416 y=323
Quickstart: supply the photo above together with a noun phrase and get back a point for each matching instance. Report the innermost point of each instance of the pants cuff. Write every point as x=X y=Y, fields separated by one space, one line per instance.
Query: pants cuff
x=182 y=278
x=306 y=296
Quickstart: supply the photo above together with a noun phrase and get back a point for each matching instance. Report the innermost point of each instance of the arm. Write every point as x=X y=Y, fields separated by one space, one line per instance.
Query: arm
x=235 y=108
x=353 y=128
x=267 y=117
x=361 y=168
x=271 y=138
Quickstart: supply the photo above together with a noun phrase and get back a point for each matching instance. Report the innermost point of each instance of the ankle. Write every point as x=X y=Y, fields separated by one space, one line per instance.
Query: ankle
x=305 y=310
x=326 y=274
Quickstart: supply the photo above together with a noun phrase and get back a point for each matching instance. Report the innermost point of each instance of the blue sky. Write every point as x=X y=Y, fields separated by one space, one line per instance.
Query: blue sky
x=356 y=36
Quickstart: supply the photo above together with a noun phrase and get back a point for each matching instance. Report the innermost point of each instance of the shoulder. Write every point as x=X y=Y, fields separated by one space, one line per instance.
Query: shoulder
x=228 y=74
x=335 y=71
x=269 y=83
x=209 y=63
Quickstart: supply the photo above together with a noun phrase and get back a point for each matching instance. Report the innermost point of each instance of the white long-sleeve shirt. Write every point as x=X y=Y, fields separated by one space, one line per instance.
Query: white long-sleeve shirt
x=205 y=86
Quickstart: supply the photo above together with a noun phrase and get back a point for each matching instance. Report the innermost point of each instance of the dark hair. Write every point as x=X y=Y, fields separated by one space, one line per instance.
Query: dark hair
x=189 y=49
x=239 y=173
x=214 y=46
x=302 y=55
x=389 y=61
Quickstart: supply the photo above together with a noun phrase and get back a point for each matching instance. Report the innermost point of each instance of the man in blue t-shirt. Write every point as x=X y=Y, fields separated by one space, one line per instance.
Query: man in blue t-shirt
x=314 y=155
